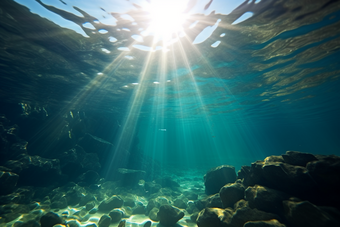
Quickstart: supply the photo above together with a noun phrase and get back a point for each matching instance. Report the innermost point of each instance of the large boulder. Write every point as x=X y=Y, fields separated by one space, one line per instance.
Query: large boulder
x=307 y=214
x=8 y=181
x=231 y=193
x=169 y=215
x=216 y=178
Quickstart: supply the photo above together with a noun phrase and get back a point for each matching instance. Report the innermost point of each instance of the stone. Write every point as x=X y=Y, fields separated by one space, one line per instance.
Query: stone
x=122 y=223
x=210 y=201
x=90 y=205
x=245 y=214
x=93 y=210
x=298 y=158
x=73 y=223
x=215 y=217
x=270 y=223
x=167 y=182
x=116 y=215
x=111 y=203
x=153 y=214
x=130 y=177
x=104 y=221
x=169 y=215
x=147 y=224
x=8 y=182
x=231 y=193
x=60 y=203
x=151 y=204
x=265 y=199
x=305 y=213
x=50 y=219
x=216 y=178
x=180 y=204
x=139 y=209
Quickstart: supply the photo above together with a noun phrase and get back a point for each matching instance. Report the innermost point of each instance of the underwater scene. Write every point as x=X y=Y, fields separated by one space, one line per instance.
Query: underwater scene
x=169 y=113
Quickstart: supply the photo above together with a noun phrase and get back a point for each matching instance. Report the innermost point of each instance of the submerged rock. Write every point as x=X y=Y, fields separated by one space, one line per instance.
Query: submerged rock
x=231 y=193
x=298 y=158
x=104 y=221
x=116 y=215
x=111 y=203
x=306 y=214
x=50 y=219
x=216 y=217
x=169 y=215
x=270 y=223
x=8 y=181
x=216 y=178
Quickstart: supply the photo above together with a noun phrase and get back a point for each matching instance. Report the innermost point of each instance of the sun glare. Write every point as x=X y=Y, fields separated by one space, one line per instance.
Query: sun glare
x=167 y=17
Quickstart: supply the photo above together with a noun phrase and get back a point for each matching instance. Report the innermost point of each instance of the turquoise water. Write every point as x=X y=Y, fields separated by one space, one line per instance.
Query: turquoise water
x=271 y=85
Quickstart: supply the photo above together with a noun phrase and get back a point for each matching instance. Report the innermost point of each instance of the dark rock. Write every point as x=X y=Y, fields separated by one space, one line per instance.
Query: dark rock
x=89 y=177
x=130 y=177
x=36 y=171
x=298 y=158
x=245 y=214
x=8 y=181
x=270 y=223
x=122 y=223
x=265 y=199
x=50 y=219
x=90 y=205
x=116 y=215
x=151 y=204
x=169 y=215
x=194 y=216
x=147 y=224
x=104 y=221
x=231 y=193
x=140 y=209
x=153 y=214
x=216 y=178
x=88 y=198
x=307 y=214
x=215 y=217
x=180 y=204
x=252 y=175
x=111 y=203
x=210 y=201
x=73 y=223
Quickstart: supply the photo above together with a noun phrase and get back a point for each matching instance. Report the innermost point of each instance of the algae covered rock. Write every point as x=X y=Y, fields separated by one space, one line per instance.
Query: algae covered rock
x=169 y=215
x=216 y=178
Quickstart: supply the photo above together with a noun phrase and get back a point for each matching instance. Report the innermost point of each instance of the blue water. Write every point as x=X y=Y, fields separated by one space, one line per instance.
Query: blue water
x=272 y=85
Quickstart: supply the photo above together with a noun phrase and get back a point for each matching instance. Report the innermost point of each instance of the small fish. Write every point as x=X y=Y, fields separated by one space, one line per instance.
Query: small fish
x=207 y=5
x=162 y=129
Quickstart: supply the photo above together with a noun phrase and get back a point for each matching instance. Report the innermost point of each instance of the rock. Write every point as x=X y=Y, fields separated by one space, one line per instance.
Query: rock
x=104 y=221
x=231 y=193
x=116 y=215
x=180 y=204
x=169 y=215
x=153 y=214
x=87 y=199
x=90 y=205
x=307 y=214
x=215 y=217
x=194 y=216
x=216 y=178
x=265 y=199
x=60 y=203
x=245 y=214
x=122 y=223
x=93 y=210
x=210 y=201
x=111 y=203
x=298 y=158
x=151 y=204
x=270 y=223
x=73 y=223
x=8 y=181
x=147 y=224
x=130 y=177
x=274 y=158
x=89 y=177
x=50 y=219
x=139 y=209
x=36 y=171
